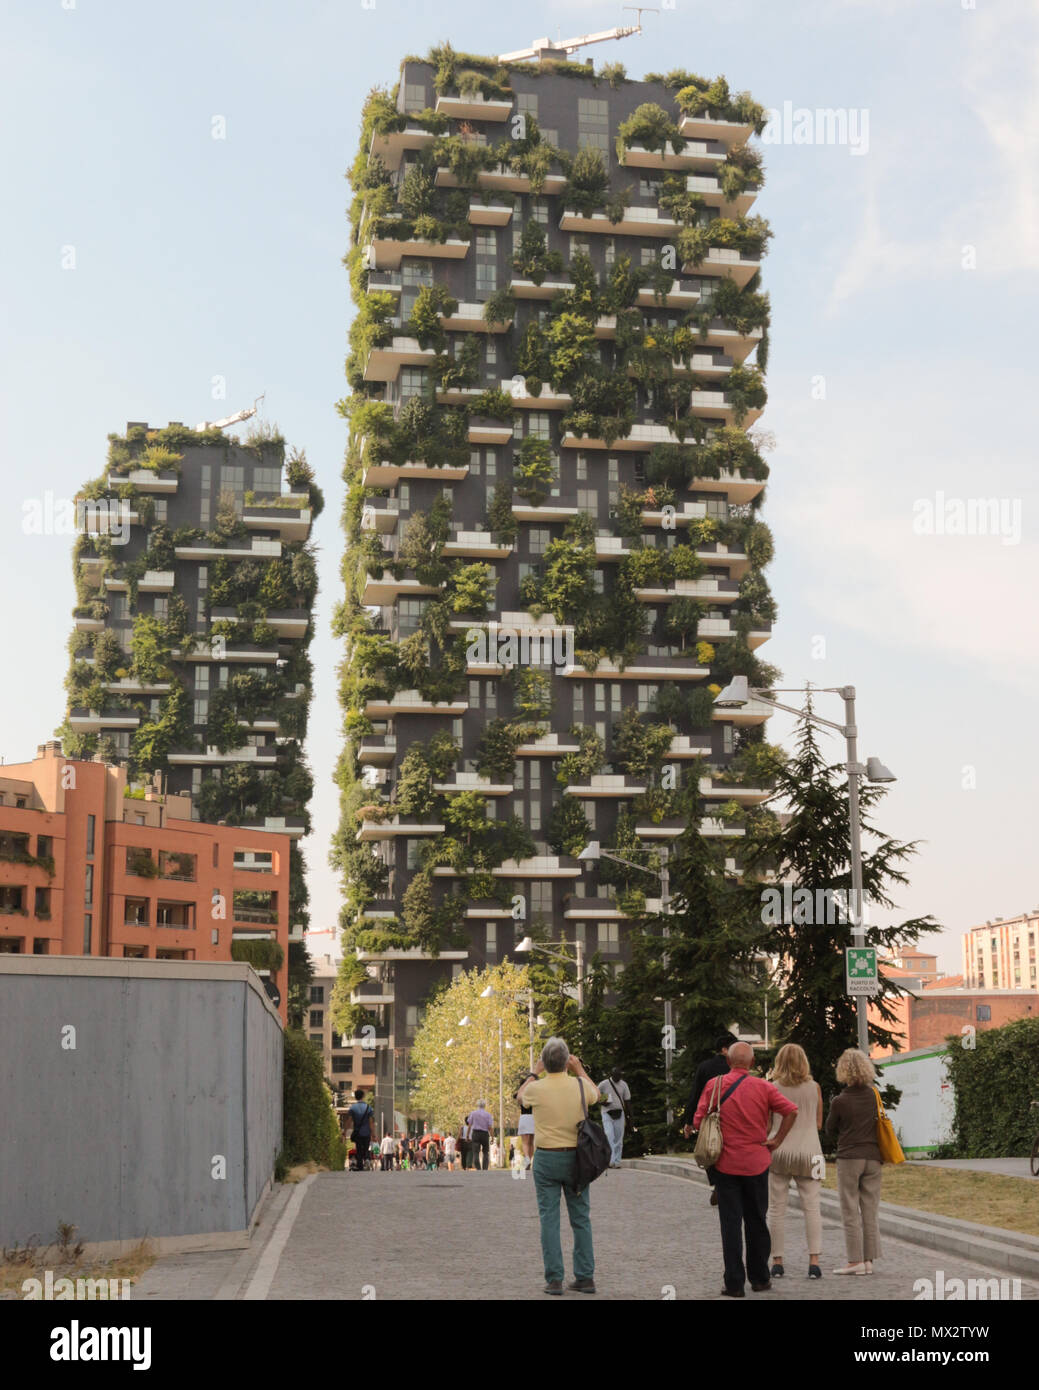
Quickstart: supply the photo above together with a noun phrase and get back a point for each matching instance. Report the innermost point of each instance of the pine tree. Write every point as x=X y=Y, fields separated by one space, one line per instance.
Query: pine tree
x=811 y=851
x=636 y=1045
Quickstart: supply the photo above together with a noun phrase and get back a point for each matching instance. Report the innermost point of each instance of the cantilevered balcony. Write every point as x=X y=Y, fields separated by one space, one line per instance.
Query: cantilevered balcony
x=717 y=405
x=732 y=485
x=711 y=790
x=634 y=221
x=377 y=749
x=643 y=668
x=388 y=281
x=606 y=787
x=642 y=438
x=393 y=829
x=503 y=178
x=488 y=910
x=685 y=746
x=132 y=687
x=292 y=523
x=212 y=757
x=548 y=745
x=150 y=480
x=611 y=548
x=712 y=828
x=710 y=127
x=753 y=712
x=548 y=289
x=516 y=389
x=681 y=295
x=605 y=910
x=694 y=154
x=92 y=721
x=372 y=994
x=477 y=545
x=388 y=474
x=702 y=364
x=727 y=261
x=259 y=550
x=713 y=589
x=409 y=953
x=484 y=430
x=719 y=554
x=469 y=318
x=384 y=363
x=391 y=147
x=293 y=826
x=490 y=214
x=286 y=622
x=521 y=624
x=411 y=702
x=238 y=652
x=710 y=189
x=475 y=107
x=735 y=343
x=385 y=253
x=668 y=828
x=90 y=569
x=473 y=782
x=151 y=582
x=681 y=514
x=84 y=624
x=545 y=512
x=380 y=515
x=541 y=866
x=721 y=630
x=383 y=588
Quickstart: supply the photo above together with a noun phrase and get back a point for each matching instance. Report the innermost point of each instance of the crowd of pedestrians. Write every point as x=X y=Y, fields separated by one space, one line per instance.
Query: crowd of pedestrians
x=768 y=1138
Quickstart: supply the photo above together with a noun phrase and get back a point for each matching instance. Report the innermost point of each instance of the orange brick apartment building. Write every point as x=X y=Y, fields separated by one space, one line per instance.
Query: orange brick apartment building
x=87 y=870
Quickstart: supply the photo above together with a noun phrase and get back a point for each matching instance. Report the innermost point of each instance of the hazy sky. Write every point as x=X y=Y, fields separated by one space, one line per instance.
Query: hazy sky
x=903 y=280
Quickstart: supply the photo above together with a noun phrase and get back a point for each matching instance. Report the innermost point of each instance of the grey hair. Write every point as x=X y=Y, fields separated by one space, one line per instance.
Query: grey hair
x=555 y=1055
x=744 y=1052
x=479 y=1105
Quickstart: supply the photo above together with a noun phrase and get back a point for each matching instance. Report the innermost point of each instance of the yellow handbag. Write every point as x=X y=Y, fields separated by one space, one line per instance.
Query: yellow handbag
x=887 y=1139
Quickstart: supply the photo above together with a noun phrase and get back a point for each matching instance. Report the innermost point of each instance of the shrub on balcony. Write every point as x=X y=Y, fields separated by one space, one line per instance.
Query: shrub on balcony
x=679 y=202
x=532 y=361
x=496 y=751
x=685 y=563
x=571 y=346
x=261 y=955
x=700 y=97
x=650 y=126
x=534 y=261
x=647 y=568
x=494 y=404
x=499 y=307
x=568 y=831
x=587 y=762
x=748 y=235
x=640 y=746
x=535 y=467
x=431 y=302
x=741 y=171
x=502 y=523
x=588 y=184
x=471 y=588
x=531 y=692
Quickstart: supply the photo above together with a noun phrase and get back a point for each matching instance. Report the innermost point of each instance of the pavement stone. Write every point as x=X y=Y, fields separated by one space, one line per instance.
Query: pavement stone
x=444 y=1236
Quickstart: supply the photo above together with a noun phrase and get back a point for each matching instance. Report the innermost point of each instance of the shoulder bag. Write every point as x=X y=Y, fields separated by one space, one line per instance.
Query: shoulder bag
x=594 y=1153
x=709 y=1140
x=887 y=1139
x=615 y=1111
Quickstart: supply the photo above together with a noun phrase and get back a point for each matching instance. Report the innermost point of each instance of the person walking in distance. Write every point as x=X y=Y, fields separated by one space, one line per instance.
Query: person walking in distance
x=450 y=1150
x=362 y=1115
x=465 y=1145
x=716 y=1065
x=745 y=1105
x=852 y=1118
x=616 y=1098
x=798 y=1159
x=481 y=1123
x=386 y=1153
x=554 y=1096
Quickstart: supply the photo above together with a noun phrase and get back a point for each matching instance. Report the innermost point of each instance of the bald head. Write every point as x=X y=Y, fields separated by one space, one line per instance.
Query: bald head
x=741 y=1054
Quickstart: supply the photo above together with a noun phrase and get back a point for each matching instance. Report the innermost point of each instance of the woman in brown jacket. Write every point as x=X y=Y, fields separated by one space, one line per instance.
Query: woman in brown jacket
x=853 y=1119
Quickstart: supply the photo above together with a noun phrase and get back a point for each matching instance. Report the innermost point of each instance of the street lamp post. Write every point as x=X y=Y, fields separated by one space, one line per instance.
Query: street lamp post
x=594 y=851
x=529 y=944
x=737 y=694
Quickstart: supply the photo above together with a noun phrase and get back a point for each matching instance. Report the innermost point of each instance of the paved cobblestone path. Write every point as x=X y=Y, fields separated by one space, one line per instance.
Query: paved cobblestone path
x=475 y=1236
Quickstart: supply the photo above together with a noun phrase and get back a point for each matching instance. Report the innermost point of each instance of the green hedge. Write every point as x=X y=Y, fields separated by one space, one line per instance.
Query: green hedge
x=310 y=1129
x=260 y=954
x=994 y=1082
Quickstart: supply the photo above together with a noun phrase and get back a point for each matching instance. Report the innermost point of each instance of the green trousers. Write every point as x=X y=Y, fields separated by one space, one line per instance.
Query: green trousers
x=553 y=1176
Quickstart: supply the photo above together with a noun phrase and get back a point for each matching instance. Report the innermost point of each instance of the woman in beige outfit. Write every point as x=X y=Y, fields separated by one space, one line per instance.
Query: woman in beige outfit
x=799 y=1158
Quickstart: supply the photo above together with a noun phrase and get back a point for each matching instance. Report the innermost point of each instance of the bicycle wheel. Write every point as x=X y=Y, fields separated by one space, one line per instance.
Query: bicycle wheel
x=1035 y=1158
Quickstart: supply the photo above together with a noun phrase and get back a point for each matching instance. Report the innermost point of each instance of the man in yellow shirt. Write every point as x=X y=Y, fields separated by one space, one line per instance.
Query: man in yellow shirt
x=553 y=1092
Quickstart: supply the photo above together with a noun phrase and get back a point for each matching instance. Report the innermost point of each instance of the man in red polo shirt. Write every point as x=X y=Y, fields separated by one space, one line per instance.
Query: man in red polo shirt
x=747 y=1104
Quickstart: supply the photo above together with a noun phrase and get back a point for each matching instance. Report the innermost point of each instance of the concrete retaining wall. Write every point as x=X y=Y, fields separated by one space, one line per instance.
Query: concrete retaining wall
x=138 y=1100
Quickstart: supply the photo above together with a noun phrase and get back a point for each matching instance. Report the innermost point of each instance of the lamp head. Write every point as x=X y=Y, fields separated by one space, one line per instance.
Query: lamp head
x=527 y=944
x=735 y=695
x=590 y=852
x=488 y=993
x=464 y=1022
x=877 y=772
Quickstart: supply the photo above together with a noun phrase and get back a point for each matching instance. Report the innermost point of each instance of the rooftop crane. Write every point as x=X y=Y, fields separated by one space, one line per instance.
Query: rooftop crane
x=547 y=48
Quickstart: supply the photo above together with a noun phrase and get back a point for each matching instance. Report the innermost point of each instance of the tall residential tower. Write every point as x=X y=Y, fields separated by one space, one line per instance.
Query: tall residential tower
x=555 y=363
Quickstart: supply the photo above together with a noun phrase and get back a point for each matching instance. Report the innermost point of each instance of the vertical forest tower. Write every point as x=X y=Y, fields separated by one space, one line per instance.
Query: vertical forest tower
x=555 y=368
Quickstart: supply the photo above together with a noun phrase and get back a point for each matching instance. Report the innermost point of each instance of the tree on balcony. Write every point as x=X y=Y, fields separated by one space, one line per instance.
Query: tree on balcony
x=568 y=830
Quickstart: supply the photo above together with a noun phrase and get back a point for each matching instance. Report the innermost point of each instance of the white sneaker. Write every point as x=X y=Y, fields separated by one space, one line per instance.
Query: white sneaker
x=869 y=1266
x=852 y=1269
